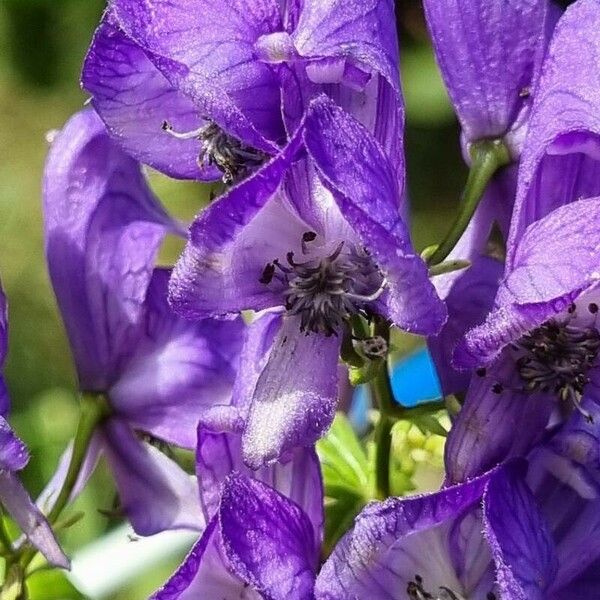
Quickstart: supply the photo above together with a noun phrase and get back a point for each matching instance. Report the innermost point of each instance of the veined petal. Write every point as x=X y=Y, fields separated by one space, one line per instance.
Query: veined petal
x=215 y=43
x=103 y=229
x=395 y=540
x=232 y=241
x=560 y=158
x=499 y=420
x=20 y=507
x=155 y=493
x=359 y=175
x=134 y=99
x=204 y=574
x=180 y=368
x=268 y=539
x=295 y=397
x=297 y=475
x=522 y=547
x=490 y=54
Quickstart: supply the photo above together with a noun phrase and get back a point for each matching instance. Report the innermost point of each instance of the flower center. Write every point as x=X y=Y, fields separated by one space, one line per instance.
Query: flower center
x=415 y=590
x=231 y=156
x=326 y=292
x=557 y=357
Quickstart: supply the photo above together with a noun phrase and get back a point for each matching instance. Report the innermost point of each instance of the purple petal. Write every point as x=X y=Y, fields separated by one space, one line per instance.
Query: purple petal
x=179 y=369
x=555 y=261
x=296 y=395
x=297 y=476
x=361 y=32
x=364 y=185
x=227 y=251
x=268 y=540
x=103 y=229
x=32 y=522
x=498 y=420
x=134 y=98
x=155 y=493
x=214 y=43
x=490 y=53
x=13 y=452
x=561 y=152
x=522 y=547
x=392 y=541
x=469 y=301
x=203 y=573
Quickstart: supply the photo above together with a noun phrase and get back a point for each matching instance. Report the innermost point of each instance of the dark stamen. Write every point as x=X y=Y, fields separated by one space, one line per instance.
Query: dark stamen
x=557 y=357
x=415 y=590
x=326 y=292
x=231 y=156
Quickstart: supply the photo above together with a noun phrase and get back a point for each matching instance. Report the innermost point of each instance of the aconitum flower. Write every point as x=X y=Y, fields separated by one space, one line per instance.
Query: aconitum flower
x=537 y=351
x=545 y=307
x=264 y=528
x=482 y=540
x=490 y=54
x=156 y=372
x=322 y=238
x=194 y=88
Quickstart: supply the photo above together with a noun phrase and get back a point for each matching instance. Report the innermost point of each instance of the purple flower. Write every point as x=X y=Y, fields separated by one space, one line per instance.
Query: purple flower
x=317 y=232
x=193 y=88
x=490 y=53
x=483 y=540
x=264 y=527
x=15 y=499
x=537 y=351
x=157 y=372
x=545 y=309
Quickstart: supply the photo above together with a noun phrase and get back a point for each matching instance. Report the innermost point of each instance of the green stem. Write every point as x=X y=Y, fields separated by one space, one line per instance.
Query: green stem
x=381 y=390
x=487 y=157
x=94 y=409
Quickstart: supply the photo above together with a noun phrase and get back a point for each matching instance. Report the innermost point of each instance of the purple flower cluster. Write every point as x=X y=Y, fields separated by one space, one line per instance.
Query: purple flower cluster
x=305 y=261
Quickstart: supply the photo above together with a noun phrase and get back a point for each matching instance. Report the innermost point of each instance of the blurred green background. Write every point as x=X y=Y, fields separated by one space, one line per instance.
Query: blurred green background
x=42 y=44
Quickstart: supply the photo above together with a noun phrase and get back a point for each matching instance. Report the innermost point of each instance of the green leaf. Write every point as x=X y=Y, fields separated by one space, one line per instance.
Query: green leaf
x=343 y=459
x=347 y=478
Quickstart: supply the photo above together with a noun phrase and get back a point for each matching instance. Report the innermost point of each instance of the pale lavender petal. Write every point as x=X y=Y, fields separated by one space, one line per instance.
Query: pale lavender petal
x=222 y=264
x=214 y=43
x=297 y=476
x=134 y=98
x=296 y=394
x=20 y=507
x=103 y=229
x=204 y=574
x=356 y=170
x=155 y=493
x=394 y=540
x=521 y=543
x=490 y=53
x=180 y=368
x=268 y=539
x=499 y=420
x=562 y=150
x=50 y=493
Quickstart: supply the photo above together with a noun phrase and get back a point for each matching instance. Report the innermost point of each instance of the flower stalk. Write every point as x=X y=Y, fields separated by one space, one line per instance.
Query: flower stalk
x=487 y=157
